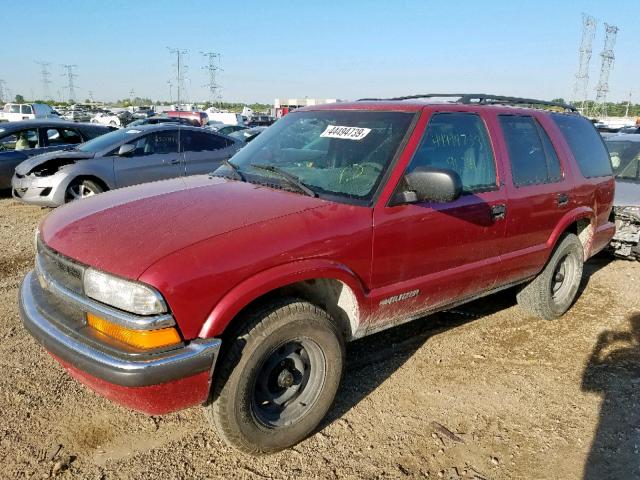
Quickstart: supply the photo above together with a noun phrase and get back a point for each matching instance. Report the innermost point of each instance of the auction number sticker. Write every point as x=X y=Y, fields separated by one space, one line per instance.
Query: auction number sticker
x=346 y=133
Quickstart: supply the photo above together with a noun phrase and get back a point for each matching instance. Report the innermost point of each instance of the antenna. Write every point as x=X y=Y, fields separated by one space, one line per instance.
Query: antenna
x=70 y=85
x=46 y=79
x=211 y=66
x=611 y=31
x=581 y=86
x=180 y=68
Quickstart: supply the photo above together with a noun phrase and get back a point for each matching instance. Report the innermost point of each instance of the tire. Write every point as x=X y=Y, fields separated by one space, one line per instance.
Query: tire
x=79 y=189
x=278 y=378
x=553 y=291
x=112 y=123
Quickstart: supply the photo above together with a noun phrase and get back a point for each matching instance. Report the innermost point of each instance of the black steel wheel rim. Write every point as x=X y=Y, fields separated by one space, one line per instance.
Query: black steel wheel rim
x=288 y=383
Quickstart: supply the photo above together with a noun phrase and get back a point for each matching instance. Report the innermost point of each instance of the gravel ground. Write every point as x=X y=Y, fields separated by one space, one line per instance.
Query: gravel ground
x=481 y=392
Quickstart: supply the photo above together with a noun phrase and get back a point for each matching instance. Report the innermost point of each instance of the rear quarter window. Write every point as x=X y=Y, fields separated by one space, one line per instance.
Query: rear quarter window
x=586 y=145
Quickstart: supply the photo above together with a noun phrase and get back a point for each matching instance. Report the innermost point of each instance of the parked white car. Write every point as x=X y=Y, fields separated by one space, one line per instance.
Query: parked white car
x=107 y=119
x=13 y=112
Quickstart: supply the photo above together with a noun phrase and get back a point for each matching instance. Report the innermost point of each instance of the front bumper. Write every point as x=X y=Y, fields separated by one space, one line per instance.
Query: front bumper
x=121 y=376
x=45 y=191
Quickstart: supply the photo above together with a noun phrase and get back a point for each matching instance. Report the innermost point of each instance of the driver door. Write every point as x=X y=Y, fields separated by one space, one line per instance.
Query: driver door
x=154 y=158
x=427 y=254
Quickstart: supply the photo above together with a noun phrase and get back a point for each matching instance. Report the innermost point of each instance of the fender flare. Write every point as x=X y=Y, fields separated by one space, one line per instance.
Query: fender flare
x=572 y=216
x=273 y=278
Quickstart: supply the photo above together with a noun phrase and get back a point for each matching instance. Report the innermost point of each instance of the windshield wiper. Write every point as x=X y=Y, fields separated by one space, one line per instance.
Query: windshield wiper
x=234 y=168
x=291 y=179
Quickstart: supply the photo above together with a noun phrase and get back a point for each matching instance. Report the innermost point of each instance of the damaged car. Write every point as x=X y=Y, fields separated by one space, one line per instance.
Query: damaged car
x=624 y=150
x=121 y=158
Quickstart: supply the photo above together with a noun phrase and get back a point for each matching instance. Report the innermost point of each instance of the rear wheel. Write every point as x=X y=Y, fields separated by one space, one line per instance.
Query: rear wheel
x=552 y=292
x=279 y=377
x=79 y=189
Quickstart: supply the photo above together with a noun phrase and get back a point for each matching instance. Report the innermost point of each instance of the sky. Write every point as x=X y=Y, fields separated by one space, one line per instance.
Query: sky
x=344 y=49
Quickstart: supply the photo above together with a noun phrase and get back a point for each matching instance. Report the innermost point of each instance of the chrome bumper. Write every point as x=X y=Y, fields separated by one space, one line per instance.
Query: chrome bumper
x=126 y=370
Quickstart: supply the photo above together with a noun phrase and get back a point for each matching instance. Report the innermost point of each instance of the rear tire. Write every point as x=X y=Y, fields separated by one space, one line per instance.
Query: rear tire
x=279 y=377
x=553 y=291
x=79 y=189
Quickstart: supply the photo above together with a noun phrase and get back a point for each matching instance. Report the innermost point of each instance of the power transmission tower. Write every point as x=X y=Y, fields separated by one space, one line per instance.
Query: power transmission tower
x=180 y=67
x=70 y=84
x=611 y=31
x=46 y=79
x=2 y=84
x=213 y=68
x=581 y=86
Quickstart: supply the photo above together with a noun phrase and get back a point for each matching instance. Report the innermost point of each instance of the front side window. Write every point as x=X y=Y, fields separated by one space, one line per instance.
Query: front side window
x=585 y=144
x=22 y=140
x=625 y=158
x=341 y=153
x=458 y=142
x=533 y=159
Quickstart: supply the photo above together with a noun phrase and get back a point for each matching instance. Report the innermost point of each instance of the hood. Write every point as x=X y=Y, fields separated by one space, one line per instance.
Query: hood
x=25 y=167
x=127 y=230
x=627 y=194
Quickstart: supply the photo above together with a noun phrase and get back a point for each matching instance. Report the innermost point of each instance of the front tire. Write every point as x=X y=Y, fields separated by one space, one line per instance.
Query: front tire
x=552 y=292
x=279 y=377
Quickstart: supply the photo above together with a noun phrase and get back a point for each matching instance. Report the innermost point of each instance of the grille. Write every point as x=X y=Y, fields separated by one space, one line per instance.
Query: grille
x=61 y=270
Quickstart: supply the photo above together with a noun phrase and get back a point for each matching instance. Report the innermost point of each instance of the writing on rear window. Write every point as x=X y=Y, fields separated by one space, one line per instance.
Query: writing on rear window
x=346 y=133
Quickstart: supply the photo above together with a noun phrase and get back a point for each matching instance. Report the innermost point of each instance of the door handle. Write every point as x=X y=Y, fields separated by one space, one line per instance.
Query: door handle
x=563 y=199
x=498 y=211
x=174 y=161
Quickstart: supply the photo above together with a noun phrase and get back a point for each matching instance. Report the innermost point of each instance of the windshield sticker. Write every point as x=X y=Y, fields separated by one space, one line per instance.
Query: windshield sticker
x=134 y=131
x=346 y=133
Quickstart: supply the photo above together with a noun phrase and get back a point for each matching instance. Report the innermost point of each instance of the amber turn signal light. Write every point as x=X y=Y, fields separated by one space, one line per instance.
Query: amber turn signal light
x=143 y=339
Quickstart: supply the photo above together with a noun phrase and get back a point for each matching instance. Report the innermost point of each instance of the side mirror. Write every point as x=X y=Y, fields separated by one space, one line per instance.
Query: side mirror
x=430 y=185
x=126 y=149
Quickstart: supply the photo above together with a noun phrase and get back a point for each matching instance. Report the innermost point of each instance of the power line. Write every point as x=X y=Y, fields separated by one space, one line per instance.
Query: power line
x=213 y=58
x=610 y=34
x=180 y=67
x=581 y=86
x=46 y=79
x=71 y=87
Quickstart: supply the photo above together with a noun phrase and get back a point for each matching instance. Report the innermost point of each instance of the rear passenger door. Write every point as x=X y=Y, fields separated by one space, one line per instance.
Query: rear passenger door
x=154 y=158
x=203 y=152
x=539 y=194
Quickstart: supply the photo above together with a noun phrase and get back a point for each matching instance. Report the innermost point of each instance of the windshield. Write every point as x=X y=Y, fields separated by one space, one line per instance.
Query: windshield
x=625 y=158
x=339 y=152
x=105 y=141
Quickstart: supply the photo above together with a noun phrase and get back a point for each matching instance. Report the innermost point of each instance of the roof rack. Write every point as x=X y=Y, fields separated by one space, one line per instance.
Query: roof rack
x=480 y=99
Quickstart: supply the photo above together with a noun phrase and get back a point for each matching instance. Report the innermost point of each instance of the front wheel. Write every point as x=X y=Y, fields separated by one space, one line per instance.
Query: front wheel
x=79 y=189
x=552 y=292
x=279 y=377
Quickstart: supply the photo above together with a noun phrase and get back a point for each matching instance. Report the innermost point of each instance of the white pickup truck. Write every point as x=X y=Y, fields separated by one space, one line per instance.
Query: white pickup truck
x=13 y=112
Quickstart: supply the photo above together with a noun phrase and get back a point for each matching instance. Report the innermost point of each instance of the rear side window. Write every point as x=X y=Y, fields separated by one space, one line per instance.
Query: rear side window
x=533 y=158
x=62 y=136
x=27 y=110
x=585 y=144
x=198 y=142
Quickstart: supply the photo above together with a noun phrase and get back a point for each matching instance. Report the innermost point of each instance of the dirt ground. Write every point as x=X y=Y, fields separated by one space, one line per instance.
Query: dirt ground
x=481 y=392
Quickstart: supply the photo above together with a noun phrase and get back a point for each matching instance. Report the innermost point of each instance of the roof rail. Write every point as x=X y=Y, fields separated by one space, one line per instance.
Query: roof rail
x=480 y=99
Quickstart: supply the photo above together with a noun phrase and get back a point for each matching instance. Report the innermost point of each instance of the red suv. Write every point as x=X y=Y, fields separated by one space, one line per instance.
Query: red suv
x=238 y=290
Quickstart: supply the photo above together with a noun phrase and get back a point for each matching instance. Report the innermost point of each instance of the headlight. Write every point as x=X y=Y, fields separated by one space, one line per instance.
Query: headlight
x=123 y=294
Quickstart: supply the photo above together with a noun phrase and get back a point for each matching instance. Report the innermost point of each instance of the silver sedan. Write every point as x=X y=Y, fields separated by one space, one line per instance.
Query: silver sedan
x=118 y=159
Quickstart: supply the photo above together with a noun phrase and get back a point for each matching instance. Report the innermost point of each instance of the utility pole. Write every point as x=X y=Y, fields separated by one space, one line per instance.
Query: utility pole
x=212 y=59
x=46 y=79
x=180 y=67
x=132 y=95
x=170 y=91
x=581 y=86
x=611 y=32
x=2 y=84
x=70 y=84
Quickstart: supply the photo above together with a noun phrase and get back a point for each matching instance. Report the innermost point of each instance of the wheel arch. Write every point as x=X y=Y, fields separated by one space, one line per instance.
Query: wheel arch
x=581 y=222
x=78 y=178
x=331 y=286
